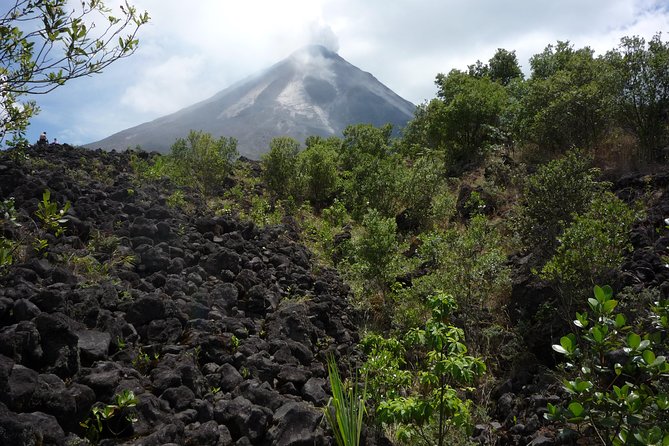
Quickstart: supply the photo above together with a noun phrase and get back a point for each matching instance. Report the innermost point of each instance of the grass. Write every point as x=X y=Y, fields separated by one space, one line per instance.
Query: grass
x=346 y=408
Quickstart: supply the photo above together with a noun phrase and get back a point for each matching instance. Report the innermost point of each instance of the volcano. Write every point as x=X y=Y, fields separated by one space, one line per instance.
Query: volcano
x=314 y=91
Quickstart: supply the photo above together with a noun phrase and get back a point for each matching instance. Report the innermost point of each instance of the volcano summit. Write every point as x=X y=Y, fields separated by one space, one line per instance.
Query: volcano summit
x=312 y=92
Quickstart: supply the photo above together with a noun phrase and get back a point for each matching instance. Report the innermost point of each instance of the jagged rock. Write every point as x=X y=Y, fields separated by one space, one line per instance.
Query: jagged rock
x=179 y=398
x=59 y=343
x=313 y=391
x=243 y=418
x=70 y=339
x=93 y=345
x=297 y=424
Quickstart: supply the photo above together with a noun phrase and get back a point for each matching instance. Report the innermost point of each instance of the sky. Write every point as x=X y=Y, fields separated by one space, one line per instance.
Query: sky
x=191 y=50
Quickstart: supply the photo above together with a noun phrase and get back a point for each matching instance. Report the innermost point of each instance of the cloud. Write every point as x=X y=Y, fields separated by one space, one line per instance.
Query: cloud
x=322 y=34
x=165 y=87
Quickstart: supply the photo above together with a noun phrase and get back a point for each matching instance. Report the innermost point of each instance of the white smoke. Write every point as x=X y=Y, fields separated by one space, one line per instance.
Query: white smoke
x=322 y=34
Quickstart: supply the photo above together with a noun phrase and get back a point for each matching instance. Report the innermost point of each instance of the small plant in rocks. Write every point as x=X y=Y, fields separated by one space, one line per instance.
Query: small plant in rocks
x=618 y=377
x=111 y=419
x=51 y=217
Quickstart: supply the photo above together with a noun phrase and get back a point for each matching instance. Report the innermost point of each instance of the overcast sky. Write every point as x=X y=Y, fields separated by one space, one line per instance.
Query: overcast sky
x=191 y=50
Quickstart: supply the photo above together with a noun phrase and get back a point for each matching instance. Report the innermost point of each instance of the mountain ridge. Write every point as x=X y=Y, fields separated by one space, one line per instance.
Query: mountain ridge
x=314 y=91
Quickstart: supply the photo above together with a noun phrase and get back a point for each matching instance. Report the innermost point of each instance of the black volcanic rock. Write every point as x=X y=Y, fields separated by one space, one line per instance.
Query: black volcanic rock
x=199 y=328
x=312 y=92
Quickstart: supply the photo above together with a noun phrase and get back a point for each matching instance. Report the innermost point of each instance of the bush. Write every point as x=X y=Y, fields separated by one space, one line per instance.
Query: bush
x=553 y=195
x=617 y=378
x=594 y=244
x=280 y=166
x=414 y=382
x=319 y=177
x=202 y=161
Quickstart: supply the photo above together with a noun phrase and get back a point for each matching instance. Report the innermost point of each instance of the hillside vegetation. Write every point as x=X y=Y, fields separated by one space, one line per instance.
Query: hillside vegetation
x=504 y=260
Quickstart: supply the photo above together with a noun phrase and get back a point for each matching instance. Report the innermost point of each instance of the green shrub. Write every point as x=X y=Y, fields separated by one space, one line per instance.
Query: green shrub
x=594 y=244
x=201 y=161
x=51 y=217
x=111 y=419
x=617 y=377
x=377 y=249
x=318 y=174
x=414 y=382
x=280 y=166
x=553 y=195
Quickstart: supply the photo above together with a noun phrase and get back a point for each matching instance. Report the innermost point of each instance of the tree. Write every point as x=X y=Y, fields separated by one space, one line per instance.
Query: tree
x=641 y=81
x=553 y=195
x=502 y=67
x=370 y=170
x=204 y=161
x=317 y=166
x=466 y=115
x=566 y=102
x=44 y=44
x=280 y=165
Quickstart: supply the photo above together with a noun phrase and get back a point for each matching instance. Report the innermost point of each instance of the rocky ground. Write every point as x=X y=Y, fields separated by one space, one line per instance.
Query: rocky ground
x=219 y=328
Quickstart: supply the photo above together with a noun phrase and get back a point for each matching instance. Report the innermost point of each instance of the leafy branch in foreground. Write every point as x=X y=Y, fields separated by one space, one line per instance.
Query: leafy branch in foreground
x=46 y=43
x=346 y=408
x=619 y=380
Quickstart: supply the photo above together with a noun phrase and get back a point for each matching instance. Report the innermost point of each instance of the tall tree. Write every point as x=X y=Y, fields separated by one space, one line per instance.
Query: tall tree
x=46 y=43
x=566 y=102
x=641 y=79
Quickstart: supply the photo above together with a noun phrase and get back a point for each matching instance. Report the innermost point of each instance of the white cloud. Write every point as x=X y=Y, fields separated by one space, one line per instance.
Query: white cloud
x=165 y=87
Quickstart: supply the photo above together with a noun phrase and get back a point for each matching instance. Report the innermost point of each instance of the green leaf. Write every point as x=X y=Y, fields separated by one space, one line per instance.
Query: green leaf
x=597 y=334
x=633 y=341
x=576 y=408
x=620 y=321
x=609 y=305
x=648 y=357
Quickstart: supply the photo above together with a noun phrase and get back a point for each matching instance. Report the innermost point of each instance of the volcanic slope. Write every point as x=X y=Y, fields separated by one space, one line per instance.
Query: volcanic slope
x=220 y=328
x=312 y=92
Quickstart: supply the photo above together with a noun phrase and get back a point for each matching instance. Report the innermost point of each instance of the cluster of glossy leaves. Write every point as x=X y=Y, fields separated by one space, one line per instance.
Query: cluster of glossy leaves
x=618 y=378
x=52 y=218
x=114 y=418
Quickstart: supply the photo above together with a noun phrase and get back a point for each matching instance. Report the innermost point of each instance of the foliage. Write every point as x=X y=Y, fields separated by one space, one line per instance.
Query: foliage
x=280 y=166
x=415 y=382
x=594 y=244
x=502 y=67
x=566 y=101
x=553 y=195
x=202 y=161
x=44 y=44
x=376 y=249
x=640 y=75
x=346 y=408
x=370 y=170
x=423 y=175
x=462 y=121
x=617 y=378
x=111 y=418
x=469 y=261
x=318 y=174
x=51 y=217
x=8 y=216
